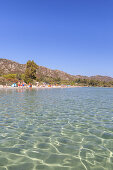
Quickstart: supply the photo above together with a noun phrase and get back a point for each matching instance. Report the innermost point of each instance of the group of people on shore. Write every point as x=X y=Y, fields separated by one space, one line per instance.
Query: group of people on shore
x=23 y=84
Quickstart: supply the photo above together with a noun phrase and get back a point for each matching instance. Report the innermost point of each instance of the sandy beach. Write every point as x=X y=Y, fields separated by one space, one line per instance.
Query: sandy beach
x=36 y=87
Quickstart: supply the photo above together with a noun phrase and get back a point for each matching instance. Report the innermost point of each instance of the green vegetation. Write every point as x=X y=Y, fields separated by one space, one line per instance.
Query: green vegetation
x=30 y=72
x=9 y=76
x=20 y=76
x=30 y=76
x=49 y=80
x=8 y=79
x=76 y=82
x=89 y=83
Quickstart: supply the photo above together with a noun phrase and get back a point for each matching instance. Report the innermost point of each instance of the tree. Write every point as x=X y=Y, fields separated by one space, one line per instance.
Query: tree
x=18 y=76
x=30 y=72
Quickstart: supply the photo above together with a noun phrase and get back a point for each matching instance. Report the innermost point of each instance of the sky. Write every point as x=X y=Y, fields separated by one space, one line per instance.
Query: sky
x=75 y=36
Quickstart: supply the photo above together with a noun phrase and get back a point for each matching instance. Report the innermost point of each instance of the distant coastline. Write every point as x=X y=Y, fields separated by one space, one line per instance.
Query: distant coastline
x=13 y=72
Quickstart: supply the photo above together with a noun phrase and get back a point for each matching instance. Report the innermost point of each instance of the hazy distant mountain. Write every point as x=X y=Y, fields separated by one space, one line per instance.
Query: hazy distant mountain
x=11 y=67
x=102 y=78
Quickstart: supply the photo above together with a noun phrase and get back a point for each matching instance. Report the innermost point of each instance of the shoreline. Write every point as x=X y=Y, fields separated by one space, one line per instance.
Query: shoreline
x=46 y=87
x=37 y=87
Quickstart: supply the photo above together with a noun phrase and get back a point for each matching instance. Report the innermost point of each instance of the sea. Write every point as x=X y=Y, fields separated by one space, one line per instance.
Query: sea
x=56 y=129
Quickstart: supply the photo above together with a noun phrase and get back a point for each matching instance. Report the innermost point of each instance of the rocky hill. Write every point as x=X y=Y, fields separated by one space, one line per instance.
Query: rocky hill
x=45 y=72
x=11 y=67
x=102 y=78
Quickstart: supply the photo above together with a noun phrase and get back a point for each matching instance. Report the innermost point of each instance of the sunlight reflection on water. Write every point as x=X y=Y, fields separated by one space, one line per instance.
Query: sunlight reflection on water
x=61 y=129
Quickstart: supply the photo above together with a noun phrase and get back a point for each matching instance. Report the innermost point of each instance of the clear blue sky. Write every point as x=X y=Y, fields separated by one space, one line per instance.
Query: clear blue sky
x=75 y=36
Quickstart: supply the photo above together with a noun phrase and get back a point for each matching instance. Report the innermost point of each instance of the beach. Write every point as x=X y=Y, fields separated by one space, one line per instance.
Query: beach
x=36 y=87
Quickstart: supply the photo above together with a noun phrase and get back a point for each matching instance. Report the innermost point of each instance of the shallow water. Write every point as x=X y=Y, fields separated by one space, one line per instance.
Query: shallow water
x=56 y=129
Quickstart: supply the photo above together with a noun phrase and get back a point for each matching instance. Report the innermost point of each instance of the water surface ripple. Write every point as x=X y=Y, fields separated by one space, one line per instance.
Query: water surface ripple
x=56 y=129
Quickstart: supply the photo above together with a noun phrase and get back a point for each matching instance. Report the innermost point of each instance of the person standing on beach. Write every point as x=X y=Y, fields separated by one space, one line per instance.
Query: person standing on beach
x=23 y=84
x=18 y=84
x=30 y=85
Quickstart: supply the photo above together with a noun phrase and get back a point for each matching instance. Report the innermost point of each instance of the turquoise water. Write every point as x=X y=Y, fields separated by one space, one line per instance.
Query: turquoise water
x=56 y=129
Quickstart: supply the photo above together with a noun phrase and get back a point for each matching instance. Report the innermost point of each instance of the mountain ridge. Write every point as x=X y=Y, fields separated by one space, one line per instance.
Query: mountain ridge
x=11 y=67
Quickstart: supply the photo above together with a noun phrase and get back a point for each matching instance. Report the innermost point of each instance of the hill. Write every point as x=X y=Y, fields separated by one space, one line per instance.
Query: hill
x=12 y=67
